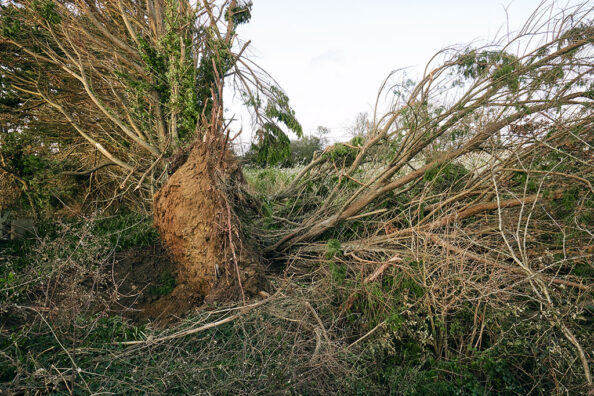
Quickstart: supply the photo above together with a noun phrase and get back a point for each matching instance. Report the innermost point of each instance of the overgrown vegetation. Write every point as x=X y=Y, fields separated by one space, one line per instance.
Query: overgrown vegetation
x=447 y=248
x=131 y=86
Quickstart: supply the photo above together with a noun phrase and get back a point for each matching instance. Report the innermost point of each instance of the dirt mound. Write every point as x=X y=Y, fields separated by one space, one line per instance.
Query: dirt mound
x=197 y=225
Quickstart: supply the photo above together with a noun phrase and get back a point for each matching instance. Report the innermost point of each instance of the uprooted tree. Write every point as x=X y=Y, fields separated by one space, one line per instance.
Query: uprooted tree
x=471 y=196
x=481 y=174
x=139 y=85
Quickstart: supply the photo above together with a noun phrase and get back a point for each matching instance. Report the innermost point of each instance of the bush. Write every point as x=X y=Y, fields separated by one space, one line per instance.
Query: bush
x=301 y=152
x=268 y=181
x=56 y=266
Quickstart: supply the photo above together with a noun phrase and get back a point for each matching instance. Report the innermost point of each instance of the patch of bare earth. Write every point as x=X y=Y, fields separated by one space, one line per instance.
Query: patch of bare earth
x=143 y=277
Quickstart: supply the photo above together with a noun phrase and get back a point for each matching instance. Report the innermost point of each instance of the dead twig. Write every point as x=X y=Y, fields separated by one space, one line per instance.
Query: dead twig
x=245 y=309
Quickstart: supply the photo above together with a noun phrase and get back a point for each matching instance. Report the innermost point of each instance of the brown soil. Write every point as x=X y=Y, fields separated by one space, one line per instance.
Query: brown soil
x=186 y=214
x=143 y=276
x=195 y=221
x=144 y=279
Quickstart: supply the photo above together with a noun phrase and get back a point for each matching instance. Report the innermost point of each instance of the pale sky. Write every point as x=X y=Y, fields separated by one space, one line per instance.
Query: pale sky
x=331 y=56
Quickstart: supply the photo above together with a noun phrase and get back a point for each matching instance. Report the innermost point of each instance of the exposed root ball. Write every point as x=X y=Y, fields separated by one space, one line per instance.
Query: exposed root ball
x=198 y=226
x=185 y=213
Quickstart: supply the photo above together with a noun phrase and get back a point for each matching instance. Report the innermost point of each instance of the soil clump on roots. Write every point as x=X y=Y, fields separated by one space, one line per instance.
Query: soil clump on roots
x=196 y=220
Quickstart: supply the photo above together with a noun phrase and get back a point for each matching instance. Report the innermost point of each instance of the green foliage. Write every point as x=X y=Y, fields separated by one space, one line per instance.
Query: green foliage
x=268 y=181
x=399 y=357
x=345 y=153
x=27 y=156
x=19 y=151
x=418 y=327
x=340 y=151
x=584 y=270
x=303 y=150
x=182 y=90
x=127 y=229
x=110 y=328
x=405 y=361
x=570 y=198
x=459 y=133
x=333 y=248
x=165 y=286
x=522 y=179
x=186 y=93
x=278 y=108
x=273 y=146
x=444 y=177
x=583 y=31
x=501 y=67
x=11 y=26
x=241 y=13
x=217 y=60
x=338 y=273
x=60 y=249
x=47 y=10
x=81 y=245
x=29 y=347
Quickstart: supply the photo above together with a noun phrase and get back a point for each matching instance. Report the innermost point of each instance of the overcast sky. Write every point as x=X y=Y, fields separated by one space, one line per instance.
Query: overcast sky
x=330 y=56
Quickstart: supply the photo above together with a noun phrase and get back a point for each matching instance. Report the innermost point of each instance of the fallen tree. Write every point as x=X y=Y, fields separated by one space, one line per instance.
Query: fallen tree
x=139 y=84
x=448 y=251
x=476 y=184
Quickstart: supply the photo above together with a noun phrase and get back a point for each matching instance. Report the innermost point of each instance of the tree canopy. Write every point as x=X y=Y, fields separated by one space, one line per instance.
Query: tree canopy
x=133 y=82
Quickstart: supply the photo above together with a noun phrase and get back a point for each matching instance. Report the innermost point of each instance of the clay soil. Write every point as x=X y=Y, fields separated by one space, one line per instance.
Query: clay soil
x=187 y=214
x=196 y=224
